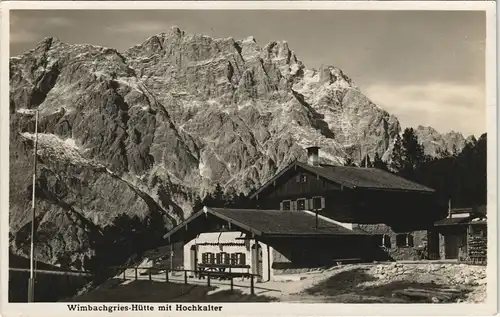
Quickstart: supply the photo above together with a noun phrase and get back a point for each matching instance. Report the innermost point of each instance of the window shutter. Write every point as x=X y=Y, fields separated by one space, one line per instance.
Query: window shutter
x=387 y=241
x=311 y=204
x=409 y=240
x=218 y=258
x=322 y=202
x=204 y=258
x=297 y=178
x=281 y=205
x=243 y=259
x=306 y=204
x=293 y=205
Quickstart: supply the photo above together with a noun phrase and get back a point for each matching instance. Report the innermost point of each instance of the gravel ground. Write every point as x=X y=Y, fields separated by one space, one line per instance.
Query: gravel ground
x=377 y=282
x=353 y=283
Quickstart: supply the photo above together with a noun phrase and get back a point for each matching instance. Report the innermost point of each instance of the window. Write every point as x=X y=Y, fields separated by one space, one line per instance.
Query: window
x=404 y=240
x=234 y=258
x=242 y=258
x=316 y=203
x=386 y=241
x=204 y=258
x=286 y=205
x=383 y=240
x=211 y=258
x=218 y=258
x=409 y=240
x=225 y=258
x=401 y=240
x=301 y=204
x=301 y=178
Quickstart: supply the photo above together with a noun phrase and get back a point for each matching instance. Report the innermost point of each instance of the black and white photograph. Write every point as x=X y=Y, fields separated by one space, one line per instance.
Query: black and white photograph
x=204 y=157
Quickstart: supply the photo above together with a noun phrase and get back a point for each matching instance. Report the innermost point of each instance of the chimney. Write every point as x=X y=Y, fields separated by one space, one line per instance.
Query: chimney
x=313 y=156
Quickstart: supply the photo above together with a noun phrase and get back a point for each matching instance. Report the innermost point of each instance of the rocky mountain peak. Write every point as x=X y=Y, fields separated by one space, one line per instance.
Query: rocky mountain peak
x=437 y=144
x=471 y=139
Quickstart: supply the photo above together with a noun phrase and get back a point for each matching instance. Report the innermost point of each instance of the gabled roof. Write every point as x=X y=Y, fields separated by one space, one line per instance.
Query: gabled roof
x=475 y=210
x=273 y=222
x=452 y=221
x=353 y=177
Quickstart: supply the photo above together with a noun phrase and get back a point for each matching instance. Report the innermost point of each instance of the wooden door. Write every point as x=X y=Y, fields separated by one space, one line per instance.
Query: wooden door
x=433 y=245
x=257 y=265
x=452 y=244
x=194 y=259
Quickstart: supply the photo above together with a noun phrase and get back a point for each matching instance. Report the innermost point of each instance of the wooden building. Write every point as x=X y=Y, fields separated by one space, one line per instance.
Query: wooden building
x=312 y=215
x=266 y=242
x=462 y=235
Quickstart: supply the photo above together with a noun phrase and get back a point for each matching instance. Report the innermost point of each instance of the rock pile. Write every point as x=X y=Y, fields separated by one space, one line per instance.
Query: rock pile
x=451 y=274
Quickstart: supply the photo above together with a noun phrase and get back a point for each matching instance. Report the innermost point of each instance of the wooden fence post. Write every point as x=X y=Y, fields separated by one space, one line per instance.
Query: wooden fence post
x=208 y=278
x=124 y=276
x=232 y=283
x=166 y=275
x=252 y=291
x=185 y=277
x=136 y=273
x=149 y=271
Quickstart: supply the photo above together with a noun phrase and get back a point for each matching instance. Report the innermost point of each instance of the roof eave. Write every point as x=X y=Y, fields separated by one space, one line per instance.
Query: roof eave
x=183 y=224
x=234 y=222
x=422 y=191
x=270 y=181
x=312 y=235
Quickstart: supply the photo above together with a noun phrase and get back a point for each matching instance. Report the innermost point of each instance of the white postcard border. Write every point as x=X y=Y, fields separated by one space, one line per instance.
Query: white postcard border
x=267 y=309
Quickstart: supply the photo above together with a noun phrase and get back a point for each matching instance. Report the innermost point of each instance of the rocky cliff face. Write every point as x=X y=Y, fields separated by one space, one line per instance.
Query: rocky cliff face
x=437 y=144
x=134 y=137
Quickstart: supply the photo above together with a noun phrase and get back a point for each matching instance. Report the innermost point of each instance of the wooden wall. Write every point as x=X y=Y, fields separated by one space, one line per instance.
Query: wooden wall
x=317 y=252
x=288 y=187
x=416 y=210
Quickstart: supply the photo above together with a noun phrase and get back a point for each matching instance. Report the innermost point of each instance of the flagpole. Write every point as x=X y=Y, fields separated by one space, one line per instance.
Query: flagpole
x=31 y=281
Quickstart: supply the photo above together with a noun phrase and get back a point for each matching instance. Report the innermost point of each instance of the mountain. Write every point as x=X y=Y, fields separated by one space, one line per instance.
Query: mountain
x=128 y=141
x=437 y=144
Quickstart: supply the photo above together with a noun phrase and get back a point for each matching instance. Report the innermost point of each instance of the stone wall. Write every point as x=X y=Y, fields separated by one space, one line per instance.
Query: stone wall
x=411 y=252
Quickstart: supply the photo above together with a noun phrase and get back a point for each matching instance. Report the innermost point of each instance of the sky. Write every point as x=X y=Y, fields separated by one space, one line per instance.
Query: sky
x=425 y=67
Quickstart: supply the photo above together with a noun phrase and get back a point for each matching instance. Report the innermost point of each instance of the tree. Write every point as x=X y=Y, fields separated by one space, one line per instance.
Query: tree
x=397 y=155
x=378 y=163
x=216 y=198
x=349 y=162
x=461 y=178
x=412 y=153
x=366 y=161
x=442 y=152
x=241 y=201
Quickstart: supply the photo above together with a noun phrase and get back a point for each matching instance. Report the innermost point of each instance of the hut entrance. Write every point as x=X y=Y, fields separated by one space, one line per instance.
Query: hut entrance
x=257 y=265
x=194 y=259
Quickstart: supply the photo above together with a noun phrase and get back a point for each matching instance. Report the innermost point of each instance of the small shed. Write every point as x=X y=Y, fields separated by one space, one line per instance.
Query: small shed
x=463 y=234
